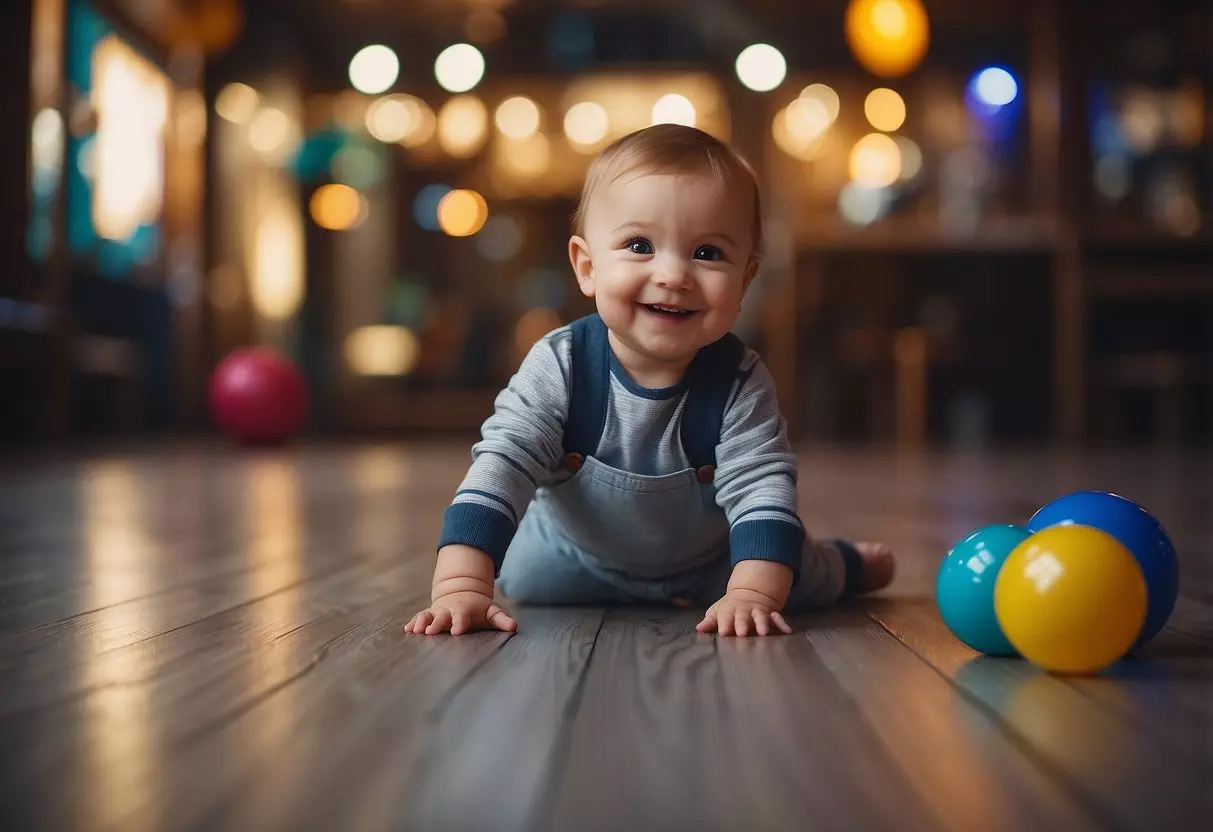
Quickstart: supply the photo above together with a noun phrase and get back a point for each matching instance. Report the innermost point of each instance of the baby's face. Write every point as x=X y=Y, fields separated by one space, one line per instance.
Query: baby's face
x=670 y=257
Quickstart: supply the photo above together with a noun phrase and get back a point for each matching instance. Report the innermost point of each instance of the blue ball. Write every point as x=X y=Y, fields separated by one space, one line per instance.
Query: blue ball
x=964 y=587
x=1140 y=533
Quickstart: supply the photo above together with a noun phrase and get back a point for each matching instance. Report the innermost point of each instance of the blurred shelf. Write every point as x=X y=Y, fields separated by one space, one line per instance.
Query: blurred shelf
x=1121 y=235
x=366 y=408
x=901 y=236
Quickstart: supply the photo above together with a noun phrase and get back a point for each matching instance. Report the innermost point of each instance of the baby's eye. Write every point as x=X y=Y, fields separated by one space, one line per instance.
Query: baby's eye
x=709 y=253
x=640 y=246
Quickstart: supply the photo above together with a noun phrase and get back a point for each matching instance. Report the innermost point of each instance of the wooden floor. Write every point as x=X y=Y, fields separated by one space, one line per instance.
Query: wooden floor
x=195 y=638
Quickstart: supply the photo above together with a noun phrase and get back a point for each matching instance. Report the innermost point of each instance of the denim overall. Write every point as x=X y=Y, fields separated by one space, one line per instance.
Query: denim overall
x=600 y=535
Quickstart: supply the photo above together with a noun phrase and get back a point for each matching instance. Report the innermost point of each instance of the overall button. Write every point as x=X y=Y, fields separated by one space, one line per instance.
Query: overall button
x=706 y=474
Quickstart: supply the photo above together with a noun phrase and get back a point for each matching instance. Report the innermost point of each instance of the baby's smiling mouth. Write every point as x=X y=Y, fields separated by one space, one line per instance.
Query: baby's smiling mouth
x=669 y=311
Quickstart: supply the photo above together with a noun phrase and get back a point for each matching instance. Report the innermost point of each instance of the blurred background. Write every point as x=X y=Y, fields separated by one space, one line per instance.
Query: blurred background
x=988 y=222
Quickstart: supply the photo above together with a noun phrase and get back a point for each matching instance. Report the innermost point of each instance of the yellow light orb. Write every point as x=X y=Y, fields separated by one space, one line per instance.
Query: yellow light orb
x=885 y=109
x=875 y=160
x=825 y=95
x=911 y=157
x=337 y=207
x=761 y=67
x=586 y=124
x=422 y=122
x=674 y=109
x=463 y=125
x=388 y=119
x=374 y=69
x=237 y=103
x=271 y=134
x=459 y=67
x=461 y=213
x=799 y=128
x=529 y=157
x=381 y=351
x=517 y=117
x=888 y=37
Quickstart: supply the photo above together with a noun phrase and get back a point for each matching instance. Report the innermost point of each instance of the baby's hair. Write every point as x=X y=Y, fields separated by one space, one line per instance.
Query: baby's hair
x=669 y=148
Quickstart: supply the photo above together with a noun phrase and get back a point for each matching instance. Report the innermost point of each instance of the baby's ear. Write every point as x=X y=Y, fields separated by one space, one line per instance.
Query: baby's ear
x=583 y=266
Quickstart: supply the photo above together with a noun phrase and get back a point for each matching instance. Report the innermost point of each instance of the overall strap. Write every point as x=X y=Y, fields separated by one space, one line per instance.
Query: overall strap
x=591 y=385
x=711 y=377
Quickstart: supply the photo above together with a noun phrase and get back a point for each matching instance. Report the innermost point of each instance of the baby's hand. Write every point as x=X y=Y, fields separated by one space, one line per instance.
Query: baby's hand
x=461 y=612
x=739 y=611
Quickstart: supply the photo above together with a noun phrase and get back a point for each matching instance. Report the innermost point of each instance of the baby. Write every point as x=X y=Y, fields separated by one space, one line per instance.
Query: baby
x=638 y=455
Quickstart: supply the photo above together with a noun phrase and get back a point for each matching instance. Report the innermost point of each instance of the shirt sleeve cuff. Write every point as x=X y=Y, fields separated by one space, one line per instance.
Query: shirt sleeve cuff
x=479 y=526
x=775 y=540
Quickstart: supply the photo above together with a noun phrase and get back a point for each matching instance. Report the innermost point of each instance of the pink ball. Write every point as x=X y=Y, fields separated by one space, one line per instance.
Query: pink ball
x=258 y=396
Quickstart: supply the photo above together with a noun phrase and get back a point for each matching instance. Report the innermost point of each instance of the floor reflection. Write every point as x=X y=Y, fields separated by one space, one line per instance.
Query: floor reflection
x=120 y=727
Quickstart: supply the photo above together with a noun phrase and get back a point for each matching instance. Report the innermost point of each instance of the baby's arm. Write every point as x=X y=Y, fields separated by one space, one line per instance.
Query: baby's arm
x=521 y=443
x=755 y=481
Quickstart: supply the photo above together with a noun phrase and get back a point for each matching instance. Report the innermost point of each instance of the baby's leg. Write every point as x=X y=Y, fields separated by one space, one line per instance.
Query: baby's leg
x=544 y=569
x=831 y=570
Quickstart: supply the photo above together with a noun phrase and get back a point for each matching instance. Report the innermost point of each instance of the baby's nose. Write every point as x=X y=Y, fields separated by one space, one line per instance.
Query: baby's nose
x=671 y=273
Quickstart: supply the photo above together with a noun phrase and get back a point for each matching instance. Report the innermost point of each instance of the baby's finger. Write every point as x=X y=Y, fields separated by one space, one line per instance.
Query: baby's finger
x=779 y=621
x=422 y=620
x=459 y=623
x=442 y=623
x=708 y=625
x=501 y=619
x=761 y=624
x=724 y=622
x=742 y=624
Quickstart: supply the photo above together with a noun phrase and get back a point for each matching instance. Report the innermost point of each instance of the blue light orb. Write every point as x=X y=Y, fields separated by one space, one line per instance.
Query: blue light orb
x=995 y=87
x=425 y=206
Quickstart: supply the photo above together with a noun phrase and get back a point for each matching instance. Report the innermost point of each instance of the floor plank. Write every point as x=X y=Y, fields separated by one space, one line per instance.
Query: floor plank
x=494 y=749
x=198 y=638
x=103 y=737
x=937 y=735
x=1117 y=764
x=681 y=730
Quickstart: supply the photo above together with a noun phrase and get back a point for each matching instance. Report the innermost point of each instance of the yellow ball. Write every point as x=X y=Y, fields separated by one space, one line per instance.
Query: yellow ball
x=1071 y=599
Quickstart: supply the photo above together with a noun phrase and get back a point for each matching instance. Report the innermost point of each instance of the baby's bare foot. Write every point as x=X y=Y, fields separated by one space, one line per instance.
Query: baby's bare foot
x=879 y=566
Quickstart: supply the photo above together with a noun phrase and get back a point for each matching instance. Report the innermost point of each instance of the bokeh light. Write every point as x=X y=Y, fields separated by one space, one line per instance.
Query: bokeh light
x=422 y=122
x=888 y=37
x=459 y=67
x=825 y=95
x=358 y=166
x=529 y=157
x=761 y=67
x=533 y=325
x=463 y=125
x=517 y=117
x=911 y=158
x=799 y=127
x=586 y=124
x=272 y=133
x=337 y=207
x=673 y=108
x=374 y=69
x=875 y=160
x=501 y=238
x=461 y=213
x=381 y=350
x=388 y=119
x=237 y=103
x=885 y=109
x=994 y=86
x=425 y=205
x=861 y=204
